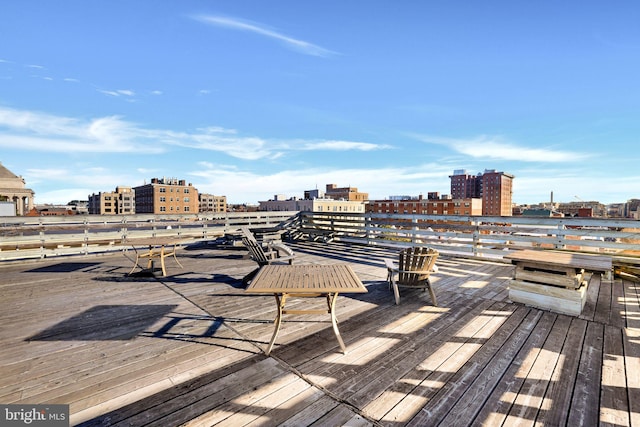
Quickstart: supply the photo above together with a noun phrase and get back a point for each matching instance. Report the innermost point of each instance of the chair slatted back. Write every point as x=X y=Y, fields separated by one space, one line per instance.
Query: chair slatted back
x=255 y=250
x=416 y=259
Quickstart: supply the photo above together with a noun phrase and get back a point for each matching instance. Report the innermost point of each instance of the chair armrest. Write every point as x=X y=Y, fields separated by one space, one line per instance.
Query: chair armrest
x=271 y=254
x=390 y=265
x=281 y=248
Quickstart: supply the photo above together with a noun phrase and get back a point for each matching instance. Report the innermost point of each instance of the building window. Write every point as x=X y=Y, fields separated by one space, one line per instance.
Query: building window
x=163 y=190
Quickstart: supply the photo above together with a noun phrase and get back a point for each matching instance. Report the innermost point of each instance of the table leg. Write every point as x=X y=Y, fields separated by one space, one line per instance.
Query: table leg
x=137 y=260
x=331 y=300
x=280 y=301
x=150 y=262
x=175 y=257
x=164 y=270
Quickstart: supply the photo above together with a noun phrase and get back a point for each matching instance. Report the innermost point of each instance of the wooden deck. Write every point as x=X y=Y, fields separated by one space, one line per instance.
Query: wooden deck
x=187 y=349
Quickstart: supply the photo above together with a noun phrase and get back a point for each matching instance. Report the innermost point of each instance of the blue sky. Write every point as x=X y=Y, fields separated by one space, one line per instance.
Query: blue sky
x=250 y=99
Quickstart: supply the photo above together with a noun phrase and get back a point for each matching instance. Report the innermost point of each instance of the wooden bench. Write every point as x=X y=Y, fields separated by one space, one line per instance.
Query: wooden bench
x=555 y=281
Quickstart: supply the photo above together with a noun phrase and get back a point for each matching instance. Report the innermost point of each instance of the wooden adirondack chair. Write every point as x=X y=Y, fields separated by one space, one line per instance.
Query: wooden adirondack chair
x=274 y=252
x=414 y=267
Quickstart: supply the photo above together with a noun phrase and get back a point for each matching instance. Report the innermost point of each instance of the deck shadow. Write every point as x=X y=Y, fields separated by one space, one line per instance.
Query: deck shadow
x=64 y=267
x=105 y=323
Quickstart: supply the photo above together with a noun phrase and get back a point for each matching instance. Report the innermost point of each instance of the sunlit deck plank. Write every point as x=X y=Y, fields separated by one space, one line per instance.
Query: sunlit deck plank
x=631 y=343
x=557 y=403
x=614 y=404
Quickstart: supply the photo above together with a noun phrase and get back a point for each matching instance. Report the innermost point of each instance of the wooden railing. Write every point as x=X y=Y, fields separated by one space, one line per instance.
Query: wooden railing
x=49 y=236
x=476 y=236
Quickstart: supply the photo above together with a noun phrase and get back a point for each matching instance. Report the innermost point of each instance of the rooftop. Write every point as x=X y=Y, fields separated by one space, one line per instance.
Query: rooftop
x=189 y=348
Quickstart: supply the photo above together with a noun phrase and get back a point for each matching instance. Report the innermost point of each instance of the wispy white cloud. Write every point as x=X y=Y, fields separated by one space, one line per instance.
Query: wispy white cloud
x=72 y=184
x=494 y=148
x=118 y=92
x=34 y=131
x=243 y=25
x=342 y=146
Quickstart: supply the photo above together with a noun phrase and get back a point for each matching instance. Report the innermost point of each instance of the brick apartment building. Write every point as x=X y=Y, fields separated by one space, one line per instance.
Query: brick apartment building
x=118 y=202
x=211 y=203
x=166 y=196
x=494 y=188
x=433 y=205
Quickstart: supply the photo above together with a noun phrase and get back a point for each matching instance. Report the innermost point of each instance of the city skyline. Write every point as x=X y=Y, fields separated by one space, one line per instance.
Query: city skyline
x=247 y=99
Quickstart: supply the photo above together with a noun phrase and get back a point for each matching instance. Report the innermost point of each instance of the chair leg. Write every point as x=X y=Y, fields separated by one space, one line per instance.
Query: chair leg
x=433 y=294
x=396 y=293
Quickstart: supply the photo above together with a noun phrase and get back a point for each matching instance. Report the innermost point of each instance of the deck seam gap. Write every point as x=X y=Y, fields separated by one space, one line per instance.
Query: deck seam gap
x=324 y=390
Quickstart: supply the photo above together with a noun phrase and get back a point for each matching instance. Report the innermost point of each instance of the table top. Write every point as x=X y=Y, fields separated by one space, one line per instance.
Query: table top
x=154 y=241
x=564 y=259
x=313 y=278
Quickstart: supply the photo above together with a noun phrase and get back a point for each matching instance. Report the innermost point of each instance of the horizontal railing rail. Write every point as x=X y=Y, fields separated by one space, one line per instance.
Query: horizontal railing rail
x=478 y=236
x=49 y=236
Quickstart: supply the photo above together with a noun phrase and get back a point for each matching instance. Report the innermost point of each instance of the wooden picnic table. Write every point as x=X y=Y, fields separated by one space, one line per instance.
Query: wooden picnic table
x=158 y=248
x=285 y=281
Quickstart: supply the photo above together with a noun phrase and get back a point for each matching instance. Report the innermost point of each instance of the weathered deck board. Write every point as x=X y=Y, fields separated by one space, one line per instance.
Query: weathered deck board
x=187 y=349
x=526 y=405
x=479 y=380
x=502 y=398
x=555 y=408
x=614 y=405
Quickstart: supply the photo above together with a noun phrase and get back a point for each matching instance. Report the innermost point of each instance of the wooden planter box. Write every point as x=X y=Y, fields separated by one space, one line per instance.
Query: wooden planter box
x=554 y=281
x=555 y=298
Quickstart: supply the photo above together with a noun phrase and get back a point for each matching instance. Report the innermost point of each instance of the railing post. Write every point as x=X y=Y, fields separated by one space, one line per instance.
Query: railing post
x=561 y=236
x=226 y=221
x=123 y=230
x=85 y=245
x=475 y=249
x=42 y=239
